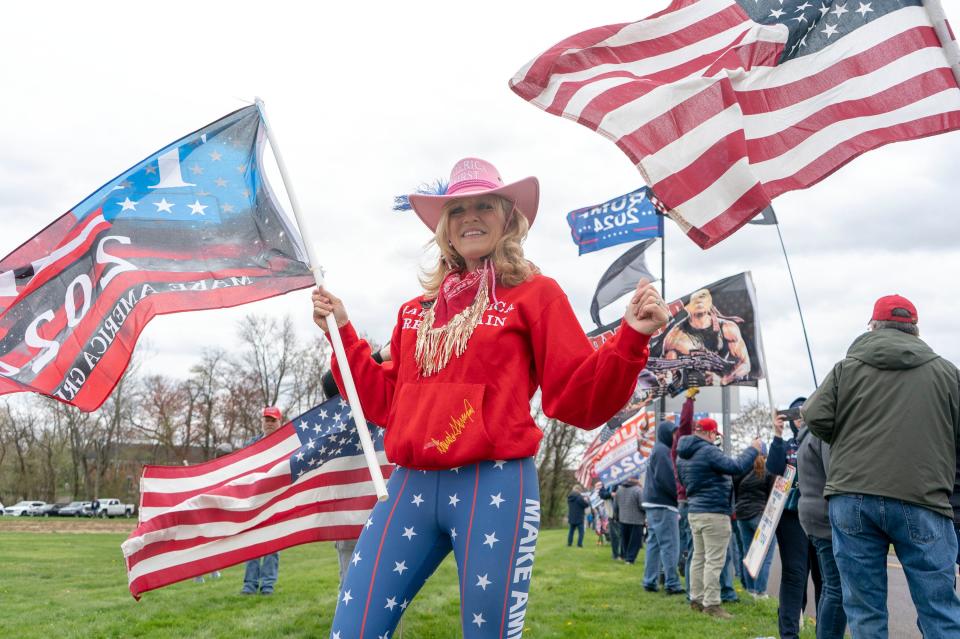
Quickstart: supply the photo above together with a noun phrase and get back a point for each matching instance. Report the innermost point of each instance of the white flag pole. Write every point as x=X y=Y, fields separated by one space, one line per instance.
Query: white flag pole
x=369 y=453
x=947 y=40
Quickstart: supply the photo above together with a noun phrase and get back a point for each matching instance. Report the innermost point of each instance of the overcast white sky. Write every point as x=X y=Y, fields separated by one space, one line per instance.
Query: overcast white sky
x=370 y=99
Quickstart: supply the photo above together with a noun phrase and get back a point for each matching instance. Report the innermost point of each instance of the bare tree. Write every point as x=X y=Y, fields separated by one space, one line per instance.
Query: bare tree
x=554 y=461
x=269 y=347
x=19 y=427
x=205 y=387
x=308 y=368
x=753 y=421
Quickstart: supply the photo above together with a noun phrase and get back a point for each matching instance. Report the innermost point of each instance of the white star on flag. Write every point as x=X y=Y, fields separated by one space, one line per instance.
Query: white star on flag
x=128 y=205
x=454 y=500
x=409 y=534
x=417 y=500
x=336 y=635
x=482 y=581
x=496 y=500
x=499 y=463
x=356 y=559
x=391 y=603
x=478 y=619
x=864 y=9
x=400 y=566
x=403 y=606
x=163 y=206
x=490 y=539
x=453 y=534
x=304 y=425
x=369 y=522
x=346 y=597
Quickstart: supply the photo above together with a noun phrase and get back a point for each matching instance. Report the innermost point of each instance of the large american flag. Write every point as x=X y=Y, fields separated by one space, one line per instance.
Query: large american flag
x=307 y=481
x=724 y=104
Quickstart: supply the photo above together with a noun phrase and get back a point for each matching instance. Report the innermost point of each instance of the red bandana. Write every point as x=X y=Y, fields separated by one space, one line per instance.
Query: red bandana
x=457 y=292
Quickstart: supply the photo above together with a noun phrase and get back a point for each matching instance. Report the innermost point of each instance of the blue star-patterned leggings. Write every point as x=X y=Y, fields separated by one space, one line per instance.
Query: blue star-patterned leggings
x=487 y=513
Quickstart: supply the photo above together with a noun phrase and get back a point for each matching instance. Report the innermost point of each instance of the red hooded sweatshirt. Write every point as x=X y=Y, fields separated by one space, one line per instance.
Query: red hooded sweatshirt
x=478 y=407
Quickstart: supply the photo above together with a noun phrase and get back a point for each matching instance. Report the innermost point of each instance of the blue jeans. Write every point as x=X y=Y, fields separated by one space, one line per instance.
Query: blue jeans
x=686 y=543
x=261 y=573
x=863 y=528
x=831 y=620
x=747 y=528
x=727 y=593
x=795 y=568
x=579 y=529
x=613 y=529
x=662 y=549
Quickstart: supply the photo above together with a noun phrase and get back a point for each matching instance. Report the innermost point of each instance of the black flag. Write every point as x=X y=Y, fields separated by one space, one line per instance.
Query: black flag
x=765 y=217
x=620 y=278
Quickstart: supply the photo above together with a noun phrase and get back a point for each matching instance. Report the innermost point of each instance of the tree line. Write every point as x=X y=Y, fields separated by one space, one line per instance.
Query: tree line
x=53 y=452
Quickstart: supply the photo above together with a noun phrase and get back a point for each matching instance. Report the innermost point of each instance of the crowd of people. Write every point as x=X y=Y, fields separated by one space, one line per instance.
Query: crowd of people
x=876 y=450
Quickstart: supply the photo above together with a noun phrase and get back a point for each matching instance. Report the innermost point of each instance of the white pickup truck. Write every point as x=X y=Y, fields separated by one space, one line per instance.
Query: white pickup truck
x=112 y=508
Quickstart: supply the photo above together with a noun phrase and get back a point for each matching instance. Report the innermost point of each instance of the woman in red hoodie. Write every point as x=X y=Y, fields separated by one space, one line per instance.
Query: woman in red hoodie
x=468 y=355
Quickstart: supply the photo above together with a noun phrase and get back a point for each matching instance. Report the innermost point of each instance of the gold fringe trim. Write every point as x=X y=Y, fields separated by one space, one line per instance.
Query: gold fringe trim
x=435 y=346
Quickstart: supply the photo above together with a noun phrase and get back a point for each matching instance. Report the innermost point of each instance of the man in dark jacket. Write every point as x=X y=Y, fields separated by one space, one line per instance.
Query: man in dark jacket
x=660 y=504
x=577 y=505
x=813 y=463
x=891 y=413
x=707 y=473
x=629 y=501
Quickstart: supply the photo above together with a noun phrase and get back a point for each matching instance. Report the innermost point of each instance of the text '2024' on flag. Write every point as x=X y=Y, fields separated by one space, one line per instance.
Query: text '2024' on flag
x=194 y=226
x=723 y=105
x=307 y=481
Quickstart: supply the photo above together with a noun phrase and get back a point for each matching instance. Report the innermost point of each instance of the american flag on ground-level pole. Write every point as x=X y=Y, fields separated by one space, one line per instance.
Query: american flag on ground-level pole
x=307 y=481
x=724 y=104
x=193 y=226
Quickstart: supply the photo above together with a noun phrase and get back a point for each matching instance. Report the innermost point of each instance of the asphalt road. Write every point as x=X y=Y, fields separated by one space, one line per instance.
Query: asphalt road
x=902 y=616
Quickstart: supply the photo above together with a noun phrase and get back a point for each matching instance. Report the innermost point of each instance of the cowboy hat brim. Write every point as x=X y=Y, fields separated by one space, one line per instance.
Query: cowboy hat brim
x=525 y=194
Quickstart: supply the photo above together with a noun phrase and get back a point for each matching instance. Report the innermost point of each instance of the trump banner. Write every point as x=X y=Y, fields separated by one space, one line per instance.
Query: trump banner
x=625 y=454
x=193 y=226
x=623 y=219
x=712 y=339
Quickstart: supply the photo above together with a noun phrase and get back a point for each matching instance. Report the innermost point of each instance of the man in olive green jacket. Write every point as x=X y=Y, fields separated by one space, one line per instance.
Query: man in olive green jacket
x=891 y=413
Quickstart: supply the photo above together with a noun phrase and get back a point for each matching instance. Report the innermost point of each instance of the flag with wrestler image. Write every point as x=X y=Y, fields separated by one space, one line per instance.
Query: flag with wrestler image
x=193 y=226
x=713 y=339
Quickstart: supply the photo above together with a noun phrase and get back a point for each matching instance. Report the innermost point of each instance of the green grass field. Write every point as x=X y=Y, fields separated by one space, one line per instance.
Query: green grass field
x=73 y=584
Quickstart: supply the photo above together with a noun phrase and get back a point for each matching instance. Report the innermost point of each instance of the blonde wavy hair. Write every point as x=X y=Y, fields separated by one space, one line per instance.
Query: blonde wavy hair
x=511 y=266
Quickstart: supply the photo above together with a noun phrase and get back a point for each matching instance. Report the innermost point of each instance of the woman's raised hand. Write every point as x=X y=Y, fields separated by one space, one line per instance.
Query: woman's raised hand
x=646 y=313
x=324 y=303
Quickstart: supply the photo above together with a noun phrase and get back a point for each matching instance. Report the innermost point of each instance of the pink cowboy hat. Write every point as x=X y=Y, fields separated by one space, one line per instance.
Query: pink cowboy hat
x=473 y=176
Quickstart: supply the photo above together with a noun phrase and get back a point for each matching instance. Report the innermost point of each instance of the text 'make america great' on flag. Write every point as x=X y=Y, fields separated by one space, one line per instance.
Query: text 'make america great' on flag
x=307 y=481
x=725 y=104
x=194 y=226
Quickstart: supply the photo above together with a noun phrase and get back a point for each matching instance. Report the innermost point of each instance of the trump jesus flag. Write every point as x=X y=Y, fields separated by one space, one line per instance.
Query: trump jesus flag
x=193 y=226
x=722 y=105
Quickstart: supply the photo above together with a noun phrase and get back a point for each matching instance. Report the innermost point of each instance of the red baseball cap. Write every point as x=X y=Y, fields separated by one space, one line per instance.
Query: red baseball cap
x=272 y=411
x=894 y=308
x=707 y=425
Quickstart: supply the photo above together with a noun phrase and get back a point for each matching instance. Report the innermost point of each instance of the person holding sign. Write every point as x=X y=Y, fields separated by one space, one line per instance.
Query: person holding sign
x=469 y=353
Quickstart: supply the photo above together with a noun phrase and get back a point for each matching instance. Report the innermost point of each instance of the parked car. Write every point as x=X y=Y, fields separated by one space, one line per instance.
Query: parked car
x=22 y=508
x=49 y=510
x=75 y=509
x=113 y=508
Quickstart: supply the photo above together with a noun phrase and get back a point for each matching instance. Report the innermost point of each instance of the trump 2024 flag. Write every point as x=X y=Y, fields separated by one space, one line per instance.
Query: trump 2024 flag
x=194 y=226
x=723 y=105
x=306 y=481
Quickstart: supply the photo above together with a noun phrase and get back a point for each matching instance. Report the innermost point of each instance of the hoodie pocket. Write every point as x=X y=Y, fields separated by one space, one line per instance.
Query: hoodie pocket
x=444 y=424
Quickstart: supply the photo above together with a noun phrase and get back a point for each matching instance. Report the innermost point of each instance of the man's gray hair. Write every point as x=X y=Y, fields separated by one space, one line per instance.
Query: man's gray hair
x=900 y=326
